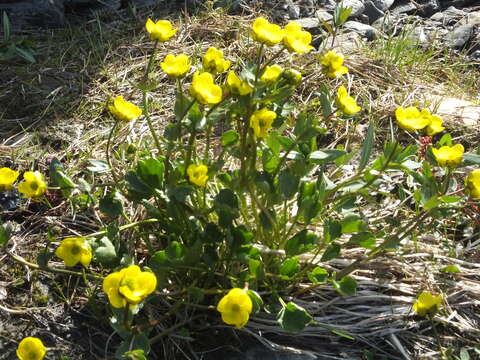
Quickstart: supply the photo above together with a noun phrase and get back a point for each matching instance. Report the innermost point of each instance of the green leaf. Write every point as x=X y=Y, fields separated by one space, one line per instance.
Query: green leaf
x=172 y=131
x=431 y=203
x=5 y=233
x=131 y=343
x=345 y=287
x=256 y=301
x=174 y=250
x=104 y=251
x=352 y=223
x=293 y=318
x=446 y=140
x=150 y=171
x=98 y=166
x=59 y=178
x=450 y=269
x=180 y=192
x=325 y=101
x=288 y=183
x=134 y=355
x=137 y=190
x=341 y=14
x=196 y=294
x=6 y=27
x=332 y=230
x=43 y=257
x=181 y=106
x=112 y=204
x=226 y=206
x=318 y=275
x=331 y=252
x=365 y=239
x=325 y=156
x=471 y=159
x=229 y=138
x=300 y=243
x=26 y=54
x=289 y=267
x=255 y=269
x=367 y=147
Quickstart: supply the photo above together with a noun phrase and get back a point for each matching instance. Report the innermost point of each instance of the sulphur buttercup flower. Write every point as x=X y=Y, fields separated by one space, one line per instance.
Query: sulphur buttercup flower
x=31 y=348
x=266 y=33
x=271 y=74
x=32 y=185
x=162 y=30
x=197 y=174
x=235 y=307
x=124 y=110
x=427 y=304
x=129 y=286
x=472 y=184
x=261 y=121
x=213 y=61
x=412 y=119
x=332 y=64
x=176 y=66
x=297 y=40
x=449 y=156
x=237 y=86
x=74 y=250
x=204 y=89
x=7 y=178
x=435 y=126
x=345 y=103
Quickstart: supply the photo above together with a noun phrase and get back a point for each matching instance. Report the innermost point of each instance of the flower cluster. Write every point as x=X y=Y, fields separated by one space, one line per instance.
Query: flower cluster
x=332 y=64
x=235 y=307
x=412 y=119
x=124 y=110
x=261 y=121
x=74 y=250
x=449 y=156
x=129 y=286
x=204 y=89
x=427 y=304
x=213 y=61
x=345 y=103
x=32 y=186
x=31 y=348
x=294 y=39
x=197 y=174
x=162 y=30
x=176 y=66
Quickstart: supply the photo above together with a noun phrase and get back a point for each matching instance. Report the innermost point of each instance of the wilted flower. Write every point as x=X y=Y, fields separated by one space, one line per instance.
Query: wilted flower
x=427 y=304
x=124 y=110
x=162 y=30
x=237 y=86
x=266 y=33
x=235 y=307
x=472 y=184
x=129 y=286
x=197 y=174
x=204 y=89
x=297 y=40
x=213 y=61
x=271 y=74
x=74 y=250
x=292 y=76
x=7 y=178
x=176 y=66
x=345 y=103
x=261 y=121
x=32 y=185
x=449 y=156
x=31 y=348
x=332 y=64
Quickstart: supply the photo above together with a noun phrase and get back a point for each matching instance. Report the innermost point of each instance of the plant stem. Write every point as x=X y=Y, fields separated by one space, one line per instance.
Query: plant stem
x=109 y=160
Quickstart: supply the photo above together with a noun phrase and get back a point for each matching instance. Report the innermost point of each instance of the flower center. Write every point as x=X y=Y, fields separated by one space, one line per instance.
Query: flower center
x=75 y=250
x=235 y=308
x=34 y=185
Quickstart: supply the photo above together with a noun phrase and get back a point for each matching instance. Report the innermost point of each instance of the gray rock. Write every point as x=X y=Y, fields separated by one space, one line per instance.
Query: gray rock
x=418 y=35
x=471 y=18
x=386 y=24
x=383 y=5
x=307 y=8
x=357 y=7
x=449 y=16
x=404 y=7
x=459 y=37
x=372 y=12
x=430 y=8
x=293 y=11
x=34 y=13
x=365 y=31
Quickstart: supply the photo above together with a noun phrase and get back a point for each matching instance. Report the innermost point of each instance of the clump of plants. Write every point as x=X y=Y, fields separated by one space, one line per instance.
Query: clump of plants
x=227 y=217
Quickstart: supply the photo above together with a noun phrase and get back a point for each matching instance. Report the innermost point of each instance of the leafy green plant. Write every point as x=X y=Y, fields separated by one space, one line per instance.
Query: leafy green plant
x=10 y=48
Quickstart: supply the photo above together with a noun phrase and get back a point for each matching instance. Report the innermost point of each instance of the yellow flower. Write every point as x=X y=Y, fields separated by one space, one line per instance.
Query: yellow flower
x=129 y=286
x=472 y=183
x=266 y=33
x=74 y=250
x=237 y=86
x=345 y=103
x=197 y=174
x=31 y=348
x=213 y=61
x=271 y=74
x=162 y=30
x=412 y=119
x=297 y=40
x=427 y=304
x=235 y=307
x=176 y=66
x=292 y=76
x=7 y=178
x=261 y=121
x=435 y=125
x=449 y=156
x=124 y=110
x=332 y=64
x=204 y=89
x=32 y=185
